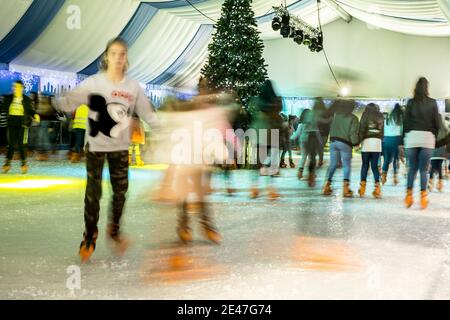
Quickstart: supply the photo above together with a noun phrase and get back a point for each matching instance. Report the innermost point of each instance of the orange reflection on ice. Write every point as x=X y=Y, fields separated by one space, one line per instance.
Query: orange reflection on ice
x=325 y=255
x=180 y=264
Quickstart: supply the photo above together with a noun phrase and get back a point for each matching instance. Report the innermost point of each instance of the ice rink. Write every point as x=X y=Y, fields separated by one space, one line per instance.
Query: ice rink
x=302 y=246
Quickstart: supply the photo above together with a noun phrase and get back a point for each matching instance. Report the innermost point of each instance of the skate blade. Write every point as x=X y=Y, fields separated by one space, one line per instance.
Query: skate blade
x=120 y=248
x=213 y=236
x=85 y=254
x=184 y=236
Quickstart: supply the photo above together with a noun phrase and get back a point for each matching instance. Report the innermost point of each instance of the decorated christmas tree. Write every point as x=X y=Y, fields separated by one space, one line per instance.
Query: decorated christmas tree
x=236 y=52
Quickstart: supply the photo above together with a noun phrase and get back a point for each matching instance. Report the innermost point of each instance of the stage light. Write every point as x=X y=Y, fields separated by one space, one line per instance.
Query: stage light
x=306 y=40
x=292 y=34
x=298 y=36
x=276 y=23
x=345 y=91
x=293 y=27
x=285 y=27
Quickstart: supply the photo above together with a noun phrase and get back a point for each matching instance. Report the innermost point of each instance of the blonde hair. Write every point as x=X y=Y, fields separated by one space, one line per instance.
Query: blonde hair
x=103 y=64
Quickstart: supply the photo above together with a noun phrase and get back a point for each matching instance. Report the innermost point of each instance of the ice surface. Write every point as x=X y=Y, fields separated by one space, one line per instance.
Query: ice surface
x=303 y=246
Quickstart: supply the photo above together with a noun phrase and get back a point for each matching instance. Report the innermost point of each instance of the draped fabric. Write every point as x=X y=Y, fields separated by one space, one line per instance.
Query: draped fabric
x=140 y=20
x=199 y=41
x=161 y=43
x=28 y=28
x=64 y=46
x=173 y=4
x=419 y=17
x=169 y=39
x=10 y=13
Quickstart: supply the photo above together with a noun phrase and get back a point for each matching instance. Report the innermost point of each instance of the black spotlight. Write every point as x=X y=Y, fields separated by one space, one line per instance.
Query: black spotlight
x=306 y=40
x=292 y=34
x=285 y=31
x=319 y=43
x=319 y=47
x=285 y=28
x=276 y=23
x=298 y=36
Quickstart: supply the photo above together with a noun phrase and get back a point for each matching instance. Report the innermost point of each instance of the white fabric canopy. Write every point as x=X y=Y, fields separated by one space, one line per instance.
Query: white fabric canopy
x=64 y=49
x=161 y=43
x=10 y=13
x=418 y=17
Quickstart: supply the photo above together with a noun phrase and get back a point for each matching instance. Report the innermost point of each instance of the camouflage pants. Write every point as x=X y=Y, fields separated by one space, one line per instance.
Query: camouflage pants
x=118 y=171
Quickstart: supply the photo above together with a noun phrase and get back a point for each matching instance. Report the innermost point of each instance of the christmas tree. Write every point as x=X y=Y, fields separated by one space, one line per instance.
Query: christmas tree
x=235 y=54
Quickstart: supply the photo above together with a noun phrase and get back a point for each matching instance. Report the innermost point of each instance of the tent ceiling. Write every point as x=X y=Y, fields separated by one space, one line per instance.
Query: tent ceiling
x=169 y=38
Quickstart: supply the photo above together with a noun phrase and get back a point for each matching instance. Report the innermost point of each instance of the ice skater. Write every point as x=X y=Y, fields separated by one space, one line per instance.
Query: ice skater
x=112 y=98
x=20 y=113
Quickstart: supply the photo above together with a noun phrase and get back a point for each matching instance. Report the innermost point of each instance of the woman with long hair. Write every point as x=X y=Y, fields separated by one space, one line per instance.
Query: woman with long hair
x=112 y=98
x=421 y=125
x=393 y=131
x=370 y=134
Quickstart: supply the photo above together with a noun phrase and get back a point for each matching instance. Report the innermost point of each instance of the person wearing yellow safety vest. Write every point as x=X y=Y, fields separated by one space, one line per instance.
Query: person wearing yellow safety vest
x=137 y=139
x=79 y=128
x=20 y=113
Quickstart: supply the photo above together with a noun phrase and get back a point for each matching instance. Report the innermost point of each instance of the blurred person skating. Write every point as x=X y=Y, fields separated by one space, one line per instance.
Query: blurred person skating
x=165 y=191
x=79 y=128
x=301 y=135
x=439 y=156
x=343 y=136
x=312 y=140
x=20 y=115
x=137 y=139
x=112 y=98
x=189 y=173
x=324 y=126
x=47 y=127
x=286 y=146
x=268 y=125
x=393 y=132
x=232 y=141
x=371 y=131
x=421 y=126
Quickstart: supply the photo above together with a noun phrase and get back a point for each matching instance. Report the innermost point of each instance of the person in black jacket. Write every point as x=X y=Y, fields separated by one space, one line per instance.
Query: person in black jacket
x=324 y=126
x=371 y=131
x=420 y=127
x=20 y=113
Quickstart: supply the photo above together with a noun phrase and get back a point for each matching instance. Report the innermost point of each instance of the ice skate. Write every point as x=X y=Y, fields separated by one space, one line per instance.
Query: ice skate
x=327 y=190
x=24 y=168
x=291 y=164
x=300 y=174
x=210 y=232
x=6 y=167
x=119 y=243
x=377 y=191
x=362 y=189
x=409 y=198
x=347 y=192
x=87 y=247
x=424 y=199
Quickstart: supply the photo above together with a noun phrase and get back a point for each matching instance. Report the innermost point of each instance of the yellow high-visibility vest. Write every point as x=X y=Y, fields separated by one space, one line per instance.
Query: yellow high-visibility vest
x=81 y=117
x=16 y=108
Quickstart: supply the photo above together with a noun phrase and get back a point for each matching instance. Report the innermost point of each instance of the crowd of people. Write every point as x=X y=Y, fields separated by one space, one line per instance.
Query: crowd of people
x=114 y=108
